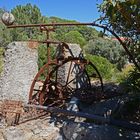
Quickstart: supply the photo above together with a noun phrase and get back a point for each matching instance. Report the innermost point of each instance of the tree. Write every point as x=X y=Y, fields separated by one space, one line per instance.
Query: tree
x=105 y=68
x=123 y=19
x=107 y=48
x=74 y=37
x=87 y=32
x=27 y=14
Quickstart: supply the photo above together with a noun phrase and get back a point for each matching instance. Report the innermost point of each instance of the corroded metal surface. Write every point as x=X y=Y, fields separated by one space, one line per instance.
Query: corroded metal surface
x=14 y=112
x=47 y=89
x=11 y=111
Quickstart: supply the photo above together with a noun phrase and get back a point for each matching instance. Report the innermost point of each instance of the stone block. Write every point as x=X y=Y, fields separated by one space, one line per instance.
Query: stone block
x=20 y=67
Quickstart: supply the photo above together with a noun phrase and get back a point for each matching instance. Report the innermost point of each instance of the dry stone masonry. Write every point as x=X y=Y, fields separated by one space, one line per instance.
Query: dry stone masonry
x=20 y=67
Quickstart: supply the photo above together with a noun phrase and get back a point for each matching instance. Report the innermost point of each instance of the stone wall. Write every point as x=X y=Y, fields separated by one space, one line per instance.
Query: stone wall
x=20 y=67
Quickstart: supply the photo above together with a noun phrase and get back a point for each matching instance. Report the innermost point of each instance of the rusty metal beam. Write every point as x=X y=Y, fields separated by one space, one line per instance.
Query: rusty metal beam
x=46 y=41
x=50 y=24
x=101 y=119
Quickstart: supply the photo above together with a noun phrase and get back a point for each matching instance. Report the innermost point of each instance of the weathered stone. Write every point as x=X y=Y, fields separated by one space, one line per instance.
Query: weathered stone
x=73 y=50
x=83 y=131
x=14 y=133
x=1 y=136
x=103 y=108
x=20 y=67
x=8 y=18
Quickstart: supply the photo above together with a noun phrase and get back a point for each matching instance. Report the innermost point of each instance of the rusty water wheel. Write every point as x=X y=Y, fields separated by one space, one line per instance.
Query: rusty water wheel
x=84 y=71
x=54 y=90
x=37 y=84
x=48 y=93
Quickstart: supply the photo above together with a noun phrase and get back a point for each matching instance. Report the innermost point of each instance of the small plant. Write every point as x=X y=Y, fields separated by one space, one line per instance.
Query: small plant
x=122 y=76
x=132 y=82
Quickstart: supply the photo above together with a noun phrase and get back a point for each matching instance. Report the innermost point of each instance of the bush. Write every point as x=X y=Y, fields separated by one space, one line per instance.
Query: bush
x=132 y=82
x=106 y=69
x=42 y=54
x=107 y=48
x=121 y=76
x=74 y=37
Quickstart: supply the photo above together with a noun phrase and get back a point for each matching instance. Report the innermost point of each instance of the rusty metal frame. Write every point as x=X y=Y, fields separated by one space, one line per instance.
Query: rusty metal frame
x=44 y=27
x=47 y=28
x=52 y=25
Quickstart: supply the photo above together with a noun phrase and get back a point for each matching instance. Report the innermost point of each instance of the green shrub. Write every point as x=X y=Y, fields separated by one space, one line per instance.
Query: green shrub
x=107 y=48
x=106 y=69
x=121 y=76
x=42 y=54
x=132 y=82
x=74 y=37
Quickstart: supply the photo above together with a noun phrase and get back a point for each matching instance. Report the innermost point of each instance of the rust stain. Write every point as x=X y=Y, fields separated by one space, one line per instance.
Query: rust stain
x=33 y=44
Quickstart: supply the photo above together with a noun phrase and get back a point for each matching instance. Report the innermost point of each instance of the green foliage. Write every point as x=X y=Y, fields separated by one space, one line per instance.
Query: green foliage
x=27 y=14
x=106 y=69
x=42 y=54
x=107 y=48
x=123 y=17
x=30 y=14
x=124 y=72
x=74 y=37
x=87 y=32
x=132 y=82
x=124 y=13
x=61 y=31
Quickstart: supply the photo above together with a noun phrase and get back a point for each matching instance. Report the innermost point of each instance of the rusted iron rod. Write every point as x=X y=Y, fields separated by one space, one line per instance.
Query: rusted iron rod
x=50 y=41
x=124 y=124
x=50 y=24
x=46 y=41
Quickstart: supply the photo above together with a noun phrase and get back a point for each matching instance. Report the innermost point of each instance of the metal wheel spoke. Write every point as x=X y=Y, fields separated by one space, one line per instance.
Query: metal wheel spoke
x=52 y=92
x=69 y=73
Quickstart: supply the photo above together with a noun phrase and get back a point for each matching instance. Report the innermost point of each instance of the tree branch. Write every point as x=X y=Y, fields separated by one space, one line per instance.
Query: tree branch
x=121 y=42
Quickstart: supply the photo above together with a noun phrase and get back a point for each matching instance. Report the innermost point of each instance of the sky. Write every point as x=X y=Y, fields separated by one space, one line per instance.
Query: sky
x=79 y=10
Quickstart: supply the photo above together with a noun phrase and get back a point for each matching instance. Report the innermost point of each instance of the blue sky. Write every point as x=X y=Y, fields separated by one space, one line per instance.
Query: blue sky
x=80 y=10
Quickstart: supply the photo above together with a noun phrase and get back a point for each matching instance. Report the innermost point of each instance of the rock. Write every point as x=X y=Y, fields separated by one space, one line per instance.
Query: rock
x=14 y=133
x=20 y=67
x=84 y=131
x=103 y=108
x=81 y=131
x=8 y=18
x=1 y=136
x=39 y=129
x=73 y=104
